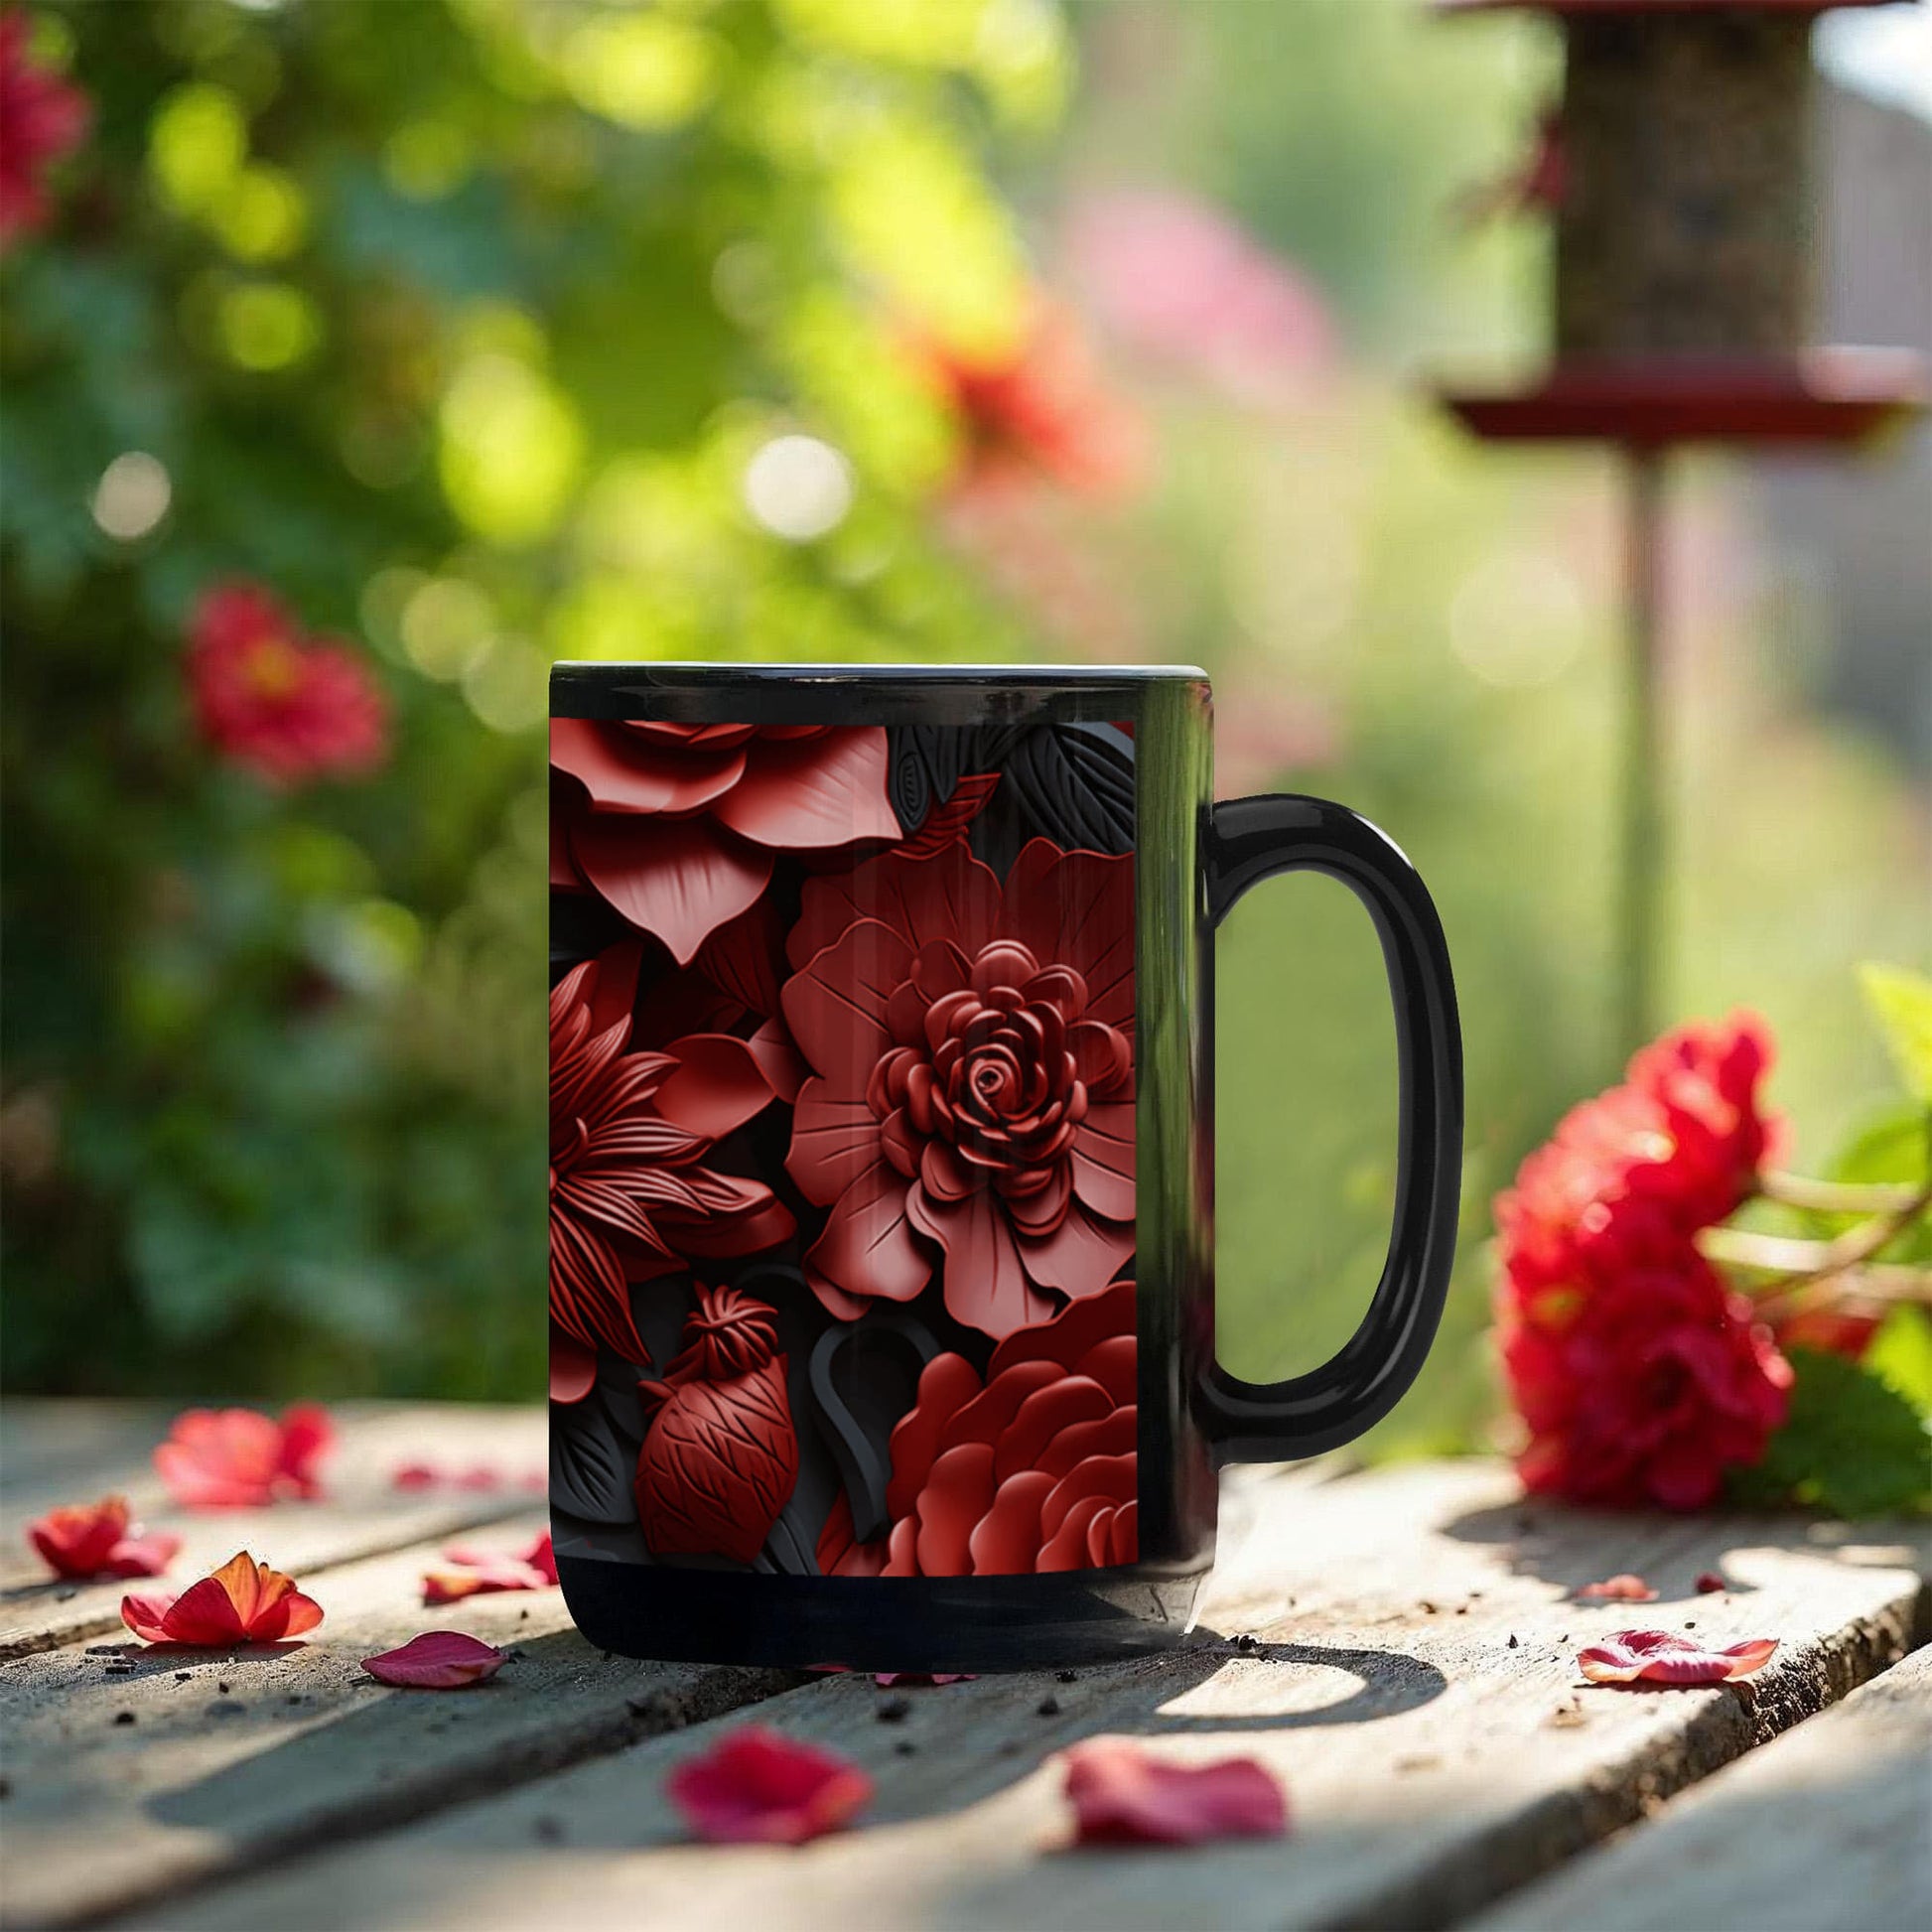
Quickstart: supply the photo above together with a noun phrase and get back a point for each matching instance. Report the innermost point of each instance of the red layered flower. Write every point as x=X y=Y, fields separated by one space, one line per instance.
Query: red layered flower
x=87 y=1540
x=972 y=1047
x=629 y=1133
x=1676 y=1148
x=720 y=1457
x=1645 y=1389
x=286 y=706
x=1031 y=1469
x=42 y=118
x=676 y=825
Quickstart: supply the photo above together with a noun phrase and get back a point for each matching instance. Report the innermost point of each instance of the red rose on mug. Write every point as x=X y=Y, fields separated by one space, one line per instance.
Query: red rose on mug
x=972 y=1047
x=1034 y=1468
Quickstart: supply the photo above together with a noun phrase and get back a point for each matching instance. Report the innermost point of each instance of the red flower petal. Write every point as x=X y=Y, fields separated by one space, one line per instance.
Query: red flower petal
x=417 y=1476
x=813 y=792
x=1709 y=1581
x=238 y=1458
x=244 y=1601
x=1620 y=1588
x=1123 y=1795
x=682 y=880
x=889 y=1678
x=481 y=1573
x=758 y=1786
x=145 y=1553
x=718 y=1085
x=76 y=1541
x=1663 y=1657
x=438 y=1660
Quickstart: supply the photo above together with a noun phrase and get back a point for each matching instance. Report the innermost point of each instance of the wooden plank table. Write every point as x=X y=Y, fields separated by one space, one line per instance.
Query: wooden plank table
x=1407 y=1667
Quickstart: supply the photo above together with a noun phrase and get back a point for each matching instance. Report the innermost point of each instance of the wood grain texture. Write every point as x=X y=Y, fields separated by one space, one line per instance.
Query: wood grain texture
x=1828 y=1826
x=134 y=1773
x=106 y=1449
x=1415 y=1689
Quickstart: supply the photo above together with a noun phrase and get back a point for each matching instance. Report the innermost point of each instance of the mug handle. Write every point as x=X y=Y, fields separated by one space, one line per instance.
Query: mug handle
x=1251 y=839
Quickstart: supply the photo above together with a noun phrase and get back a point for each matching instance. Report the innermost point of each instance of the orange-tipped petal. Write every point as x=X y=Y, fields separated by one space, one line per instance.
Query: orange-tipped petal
x=147 y=1553
x=1663 y=1657
x=438 y=1660
x=244 y=1601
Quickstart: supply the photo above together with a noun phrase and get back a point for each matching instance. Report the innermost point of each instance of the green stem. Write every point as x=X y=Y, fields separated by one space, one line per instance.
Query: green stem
x=1835 y=1196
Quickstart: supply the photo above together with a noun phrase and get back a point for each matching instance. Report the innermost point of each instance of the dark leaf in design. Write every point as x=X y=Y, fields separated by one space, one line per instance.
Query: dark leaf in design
x=592 y=1462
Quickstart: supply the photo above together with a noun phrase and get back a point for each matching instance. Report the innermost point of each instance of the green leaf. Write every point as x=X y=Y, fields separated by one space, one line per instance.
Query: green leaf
x=1902 y=1004
x=1851 y=1445
x=1900 y=1356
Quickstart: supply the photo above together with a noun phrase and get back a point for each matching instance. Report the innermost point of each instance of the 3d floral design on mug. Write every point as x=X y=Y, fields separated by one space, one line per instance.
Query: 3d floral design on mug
x=675 y=825
x=721 y=1455
x=843 y=1076
x=973 y=1091
x=631 y=1195
x=1031 y=1469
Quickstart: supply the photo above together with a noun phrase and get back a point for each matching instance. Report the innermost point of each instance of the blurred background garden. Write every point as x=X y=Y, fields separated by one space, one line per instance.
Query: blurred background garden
x=473 y=334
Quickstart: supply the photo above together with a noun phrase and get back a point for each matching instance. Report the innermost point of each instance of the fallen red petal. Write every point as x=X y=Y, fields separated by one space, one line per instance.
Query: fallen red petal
x=1620 y=1588
x=1663 y=1657
x=888 y=1679
x=78 y=1540
x=438 y=1660
x=470 y=1572
x=1123 y=1795
x=147 y=1553
x=542 y=1558
x=760 y=1787
x=481 y=1476
x=239 y=1458
x=415 y=1475
x=244 y=1601
x=1708 y=1581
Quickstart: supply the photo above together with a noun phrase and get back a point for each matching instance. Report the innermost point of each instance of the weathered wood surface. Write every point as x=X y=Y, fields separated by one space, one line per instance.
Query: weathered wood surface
x=103 y=1449
x=1432 y=1766
x=1830 y=1826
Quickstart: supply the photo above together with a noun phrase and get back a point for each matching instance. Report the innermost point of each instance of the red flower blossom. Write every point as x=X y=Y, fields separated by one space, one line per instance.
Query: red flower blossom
x=438 y=1660
x=1122 y=1794
x=1620 y=1588
x=972 y=1046
x=1032 y=1470
x=1663 y=1657
x=1708 y=1582
x=42 y=118
x=97 y=1540
x=1675 y=1149
x=238 y=1458
x=244 y=1601
x=759 y=1787
x=721 y=1456
x=468 y=1571
x=675 y=825
x=1041 y=408
x=629 y=1198
x=1645 y=1389
x=287 y=708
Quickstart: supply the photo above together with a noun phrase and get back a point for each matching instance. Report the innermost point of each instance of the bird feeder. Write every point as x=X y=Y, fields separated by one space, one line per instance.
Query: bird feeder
x=1680 y=187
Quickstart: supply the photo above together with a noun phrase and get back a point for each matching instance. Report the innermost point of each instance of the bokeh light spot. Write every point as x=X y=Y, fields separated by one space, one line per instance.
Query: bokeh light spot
x=132 y=495
x=195 y=146
x=798 y=488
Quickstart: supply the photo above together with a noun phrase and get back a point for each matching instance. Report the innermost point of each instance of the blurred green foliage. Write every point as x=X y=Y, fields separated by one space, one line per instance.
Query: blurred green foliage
x=454 y=325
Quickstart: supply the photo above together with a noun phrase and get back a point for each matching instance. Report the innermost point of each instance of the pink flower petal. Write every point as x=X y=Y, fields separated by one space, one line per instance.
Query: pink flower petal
x=415 y=1475
x=244 y=1601
x=758 y=1786
x=438 y=1660
x=1123 y=1795
x=889 y=1679
x=1663 y=1657
x=144 y=1554
x=1620 y=1588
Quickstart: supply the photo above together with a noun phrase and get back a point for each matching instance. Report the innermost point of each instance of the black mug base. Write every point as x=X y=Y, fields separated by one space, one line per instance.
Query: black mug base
x=878 y=1623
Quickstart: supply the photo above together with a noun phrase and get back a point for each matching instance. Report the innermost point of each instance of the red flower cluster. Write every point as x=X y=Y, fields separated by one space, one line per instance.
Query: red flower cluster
x=630 y=1132
x=42 y=118
x=288 y=708
x=1641 y=1377
x=1032 y=1470
x=973 y=1047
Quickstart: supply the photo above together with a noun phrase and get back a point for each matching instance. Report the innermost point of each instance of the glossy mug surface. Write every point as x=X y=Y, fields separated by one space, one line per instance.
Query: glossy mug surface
x=880 y=1159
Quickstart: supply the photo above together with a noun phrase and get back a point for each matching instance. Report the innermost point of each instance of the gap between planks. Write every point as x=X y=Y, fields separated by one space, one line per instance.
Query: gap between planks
x=1432 y=1765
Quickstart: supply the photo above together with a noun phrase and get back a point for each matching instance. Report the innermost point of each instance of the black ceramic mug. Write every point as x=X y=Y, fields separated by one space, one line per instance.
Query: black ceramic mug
x=882 y=1158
